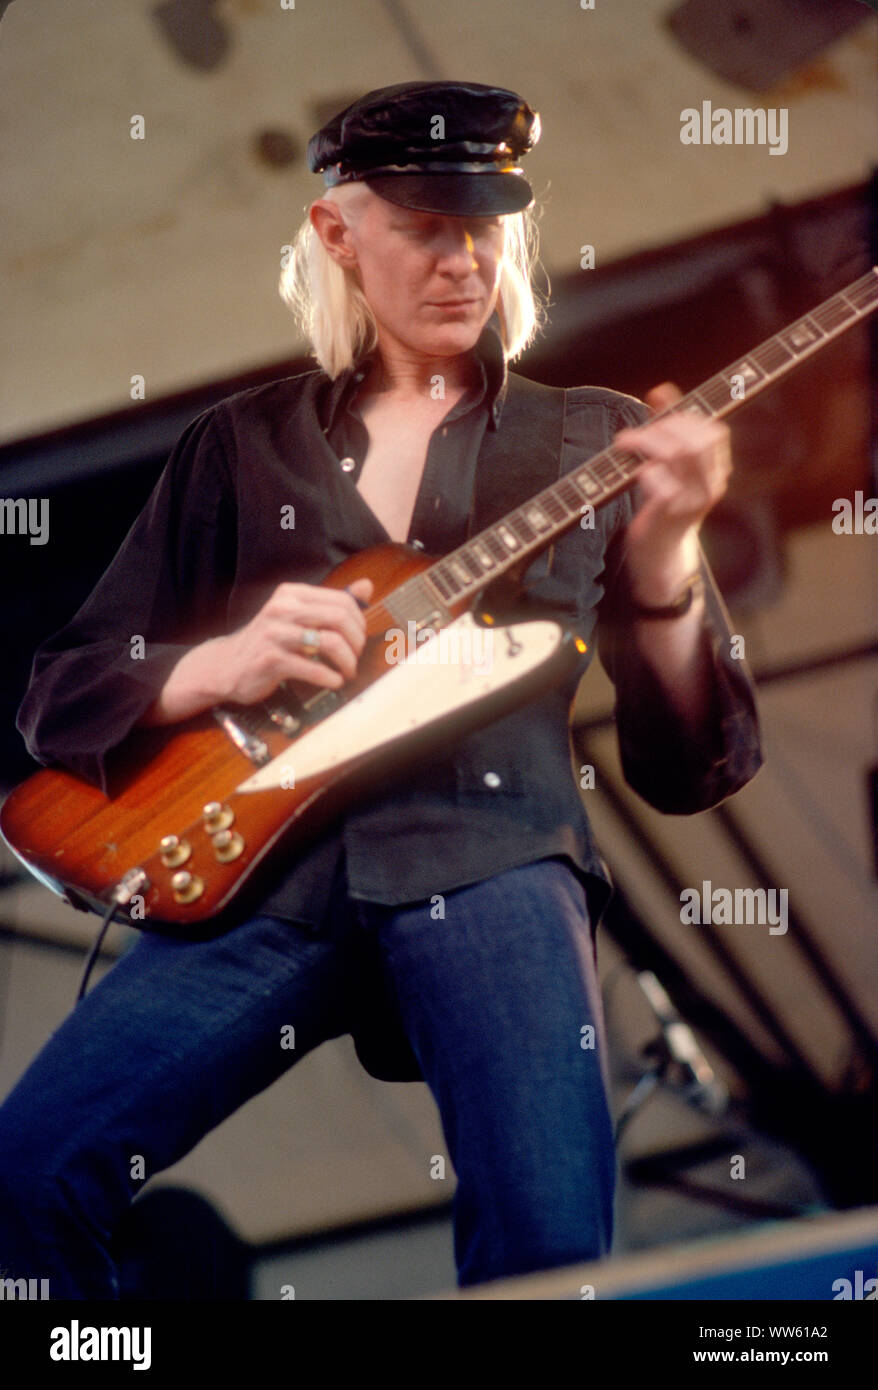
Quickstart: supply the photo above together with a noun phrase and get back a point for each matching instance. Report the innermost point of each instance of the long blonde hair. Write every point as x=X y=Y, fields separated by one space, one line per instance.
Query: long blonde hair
x=334 y=314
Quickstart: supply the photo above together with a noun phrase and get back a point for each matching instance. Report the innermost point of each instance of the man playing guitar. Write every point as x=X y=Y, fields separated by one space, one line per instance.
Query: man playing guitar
x=445 y=920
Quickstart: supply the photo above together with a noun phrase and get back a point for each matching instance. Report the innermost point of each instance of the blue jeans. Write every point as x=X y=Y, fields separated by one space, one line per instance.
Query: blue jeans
x=493 y=998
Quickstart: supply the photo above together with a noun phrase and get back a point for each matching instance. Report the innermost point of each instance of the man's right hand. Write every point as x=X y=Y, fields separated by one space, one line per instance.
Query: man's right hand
x=249 y=664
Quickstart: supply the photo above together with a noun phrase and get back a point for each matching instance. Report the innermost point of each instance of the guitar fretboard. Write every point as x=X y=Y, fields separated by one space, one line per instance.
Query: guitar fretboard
x=529 y=528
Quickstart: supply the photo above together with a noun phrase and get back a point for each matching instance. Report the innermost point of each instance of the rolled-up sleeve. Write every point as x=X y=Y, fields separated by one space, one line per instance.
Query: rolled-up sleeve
x=676 y=768
x=92 y=681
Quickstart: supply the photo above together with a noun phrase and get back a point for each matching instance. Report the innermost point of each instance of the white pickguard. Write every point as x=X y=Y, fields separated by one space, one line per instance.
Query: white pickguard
x=455 y=667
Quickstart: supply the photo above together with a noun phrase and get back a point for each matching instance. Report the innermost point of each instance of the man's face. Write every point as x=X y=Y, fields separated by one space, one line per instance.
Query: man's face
x=431 y=279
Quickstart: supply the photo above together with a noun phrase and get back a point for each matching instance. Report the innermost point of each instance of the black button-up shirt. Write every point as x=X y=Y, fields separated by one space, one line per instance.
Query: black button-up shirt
x=445 y=494
x=209 y=548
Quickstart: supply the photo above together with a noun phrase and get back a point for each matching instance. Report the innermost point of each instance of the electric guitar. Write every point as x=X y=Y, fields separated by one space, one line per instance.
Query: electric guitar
x=192 y=825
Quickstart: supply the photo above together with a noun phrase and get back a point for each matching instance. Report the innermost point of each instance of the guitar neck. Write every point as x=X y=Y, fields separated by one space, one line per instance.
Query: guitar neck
x=529 y=528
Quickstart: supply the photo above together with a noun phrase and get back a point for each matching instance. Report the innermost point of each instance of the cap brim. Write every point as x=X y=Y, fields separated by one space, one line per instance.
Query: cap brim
x=459 y=195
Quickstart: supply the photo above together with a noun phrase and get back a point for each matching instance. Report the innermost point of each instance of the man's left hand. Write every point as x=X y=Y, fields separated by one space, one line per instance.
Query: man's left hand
x=688 y=463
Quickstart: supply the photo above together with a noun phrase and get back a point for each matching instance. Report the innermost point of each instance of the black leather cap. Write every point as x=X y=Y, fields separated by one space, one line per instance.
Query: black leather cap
x=448 y=147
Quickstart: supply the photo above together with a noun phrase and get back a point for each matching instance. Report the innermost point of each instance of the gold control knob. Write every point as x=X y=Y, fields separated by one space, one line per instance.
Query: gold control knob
x=187 y=887
x=174 y=851
x=228 y=845
x=217 y=817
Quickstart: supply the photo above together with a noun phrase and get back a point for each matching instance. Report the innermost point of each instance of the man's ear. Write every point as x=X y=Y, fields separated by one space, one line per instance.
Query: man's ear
x=326 y=219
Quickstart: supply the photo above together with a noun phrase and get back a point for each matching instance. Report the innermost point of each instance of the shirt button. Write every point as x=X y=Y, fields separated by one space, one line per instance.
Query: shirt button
x=348 y=464
x=491 y=779
x=419 y=545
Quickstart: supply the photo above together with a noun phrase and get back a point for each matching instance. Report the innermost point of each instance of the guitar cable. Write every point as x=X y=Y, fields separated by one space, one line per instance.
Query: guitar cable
x=96 y=948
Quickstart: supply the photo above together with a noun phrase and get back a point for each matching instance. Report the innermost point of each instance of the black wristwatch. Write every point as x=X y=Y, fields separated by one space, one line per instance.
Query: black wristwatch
x=680 y=605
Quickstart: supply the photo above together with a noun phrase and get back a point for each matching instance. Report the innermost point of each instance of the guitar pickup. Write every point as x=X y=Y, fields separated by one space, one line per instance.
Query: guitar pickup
x=320 y=705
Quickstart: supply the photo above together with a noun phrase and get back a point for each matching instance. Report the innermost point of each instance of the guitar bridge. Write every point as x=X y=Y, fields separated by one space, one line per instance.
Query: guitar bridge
x=247 y=742
x=284 y=719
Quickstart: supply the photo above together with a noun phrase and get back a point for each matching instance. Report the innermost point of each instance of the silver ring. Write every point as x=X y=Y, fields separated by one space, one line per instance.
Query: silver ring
x=309 y=642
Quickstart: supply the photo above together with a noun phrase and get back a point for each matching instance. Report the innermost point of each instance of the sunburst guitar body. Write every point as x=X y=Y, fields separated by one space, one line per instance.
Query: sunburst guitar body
x=190 y=827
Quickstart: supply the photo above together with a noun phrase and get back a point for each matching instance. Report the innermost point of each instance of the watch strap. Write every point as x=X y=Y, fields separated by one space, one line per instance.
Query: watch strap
x=678 y=607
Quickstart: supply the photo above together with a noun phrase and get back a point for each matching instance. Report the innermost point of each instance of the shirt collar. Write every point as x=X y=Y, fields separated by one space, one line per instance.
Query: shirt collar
x=488 y=352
